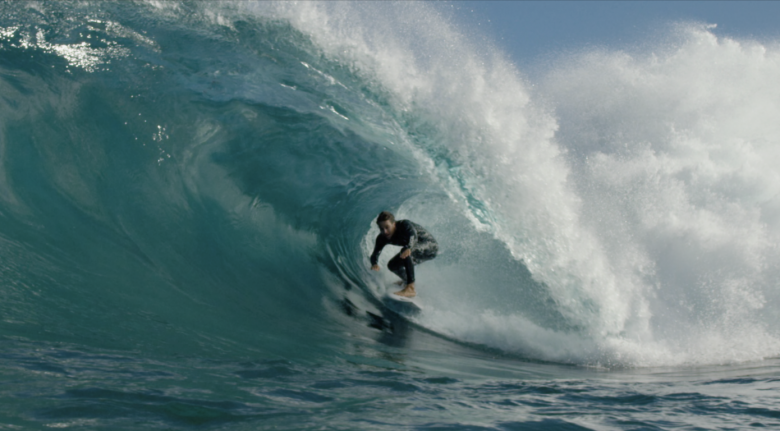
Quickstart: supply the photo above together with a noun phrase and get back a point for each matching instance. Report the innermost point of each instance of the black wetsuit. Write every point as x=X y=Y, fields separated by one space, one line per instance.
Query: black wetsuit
x=409 y=236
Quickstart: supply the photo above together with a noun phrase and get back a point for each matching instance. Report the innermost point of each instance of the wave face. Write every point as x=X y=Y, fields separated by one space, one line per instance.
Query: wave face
x=206 y=176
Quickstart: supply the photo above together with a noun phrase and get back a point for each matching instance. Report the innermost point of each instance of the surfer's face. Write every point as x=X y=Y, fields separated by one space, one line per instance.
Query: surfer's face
x=387 y=227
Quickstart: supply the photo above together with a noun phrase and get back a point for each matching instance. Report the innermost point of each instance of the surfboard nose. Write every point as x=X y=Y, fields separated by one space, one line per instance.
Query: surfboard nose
x=401 y=305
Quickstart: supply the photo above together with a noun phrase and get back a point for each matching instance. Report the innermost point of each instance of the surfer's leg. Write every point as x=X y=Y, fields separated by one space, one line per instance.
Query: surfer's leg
x=398 y=267
x=421 y=253
x=409 y=267
x=403 y=268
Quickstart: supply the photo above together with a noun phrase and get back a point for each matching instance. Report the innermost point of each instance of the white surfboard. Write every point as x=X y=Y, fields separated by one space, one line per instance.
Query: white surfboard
x=402 y=304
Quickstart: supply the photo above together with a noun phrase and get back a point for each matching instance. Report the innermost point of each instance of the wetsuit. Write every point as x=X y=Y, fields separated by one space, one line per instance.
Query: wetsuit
x=409 y=236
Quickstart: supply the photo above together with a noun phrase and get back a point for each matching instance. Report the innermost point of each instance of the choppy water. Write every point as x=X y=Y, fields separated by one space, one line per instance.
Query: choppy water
x=187 y=198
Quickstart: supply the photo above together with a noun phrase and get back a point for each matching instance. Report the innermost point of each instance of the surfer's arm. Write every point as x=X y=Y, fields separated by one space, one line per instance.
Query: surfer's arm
x=380 y=244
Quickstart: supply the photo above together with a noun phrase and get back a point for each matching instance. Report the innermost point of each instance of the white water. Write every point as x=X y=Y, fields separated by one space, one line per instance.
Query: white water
x=639 y=188
x=674 y=153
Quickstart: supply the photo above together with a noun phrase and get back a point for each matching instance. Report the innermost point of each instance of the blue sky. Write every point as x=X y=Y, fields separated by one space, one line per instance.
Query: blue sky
x=527 y=30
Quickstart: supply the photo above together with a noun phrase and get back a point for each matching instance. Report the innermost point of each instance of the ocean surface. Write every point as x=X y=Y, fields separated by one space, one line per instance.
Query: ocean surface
x=187 y=203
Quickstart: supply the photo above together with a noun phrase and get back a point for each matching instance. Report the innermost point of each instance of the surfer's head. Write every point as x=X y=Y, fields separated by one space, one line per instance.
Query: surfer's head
x=386 y=223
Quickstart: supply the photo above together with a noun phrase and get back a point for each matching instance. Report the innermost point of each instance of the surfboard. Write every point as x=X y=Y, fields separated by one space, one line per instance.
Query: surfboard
x=402 y=305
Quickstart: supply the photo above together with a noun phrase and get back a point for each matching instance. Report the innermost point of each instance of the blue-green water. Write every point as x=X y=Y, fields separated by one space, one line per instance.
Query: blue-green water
x=187 y=197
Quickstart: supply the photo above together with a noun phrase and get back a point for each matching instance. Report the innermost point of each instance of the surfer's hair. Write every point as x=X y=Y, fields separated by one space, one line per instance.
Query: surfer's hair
x=385 y=215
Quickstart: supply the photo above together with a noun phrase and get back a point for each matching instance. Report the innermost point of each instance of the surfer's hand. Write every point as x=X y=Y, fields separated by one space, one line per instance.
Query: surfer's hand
x=375 y=267
x=406 y=253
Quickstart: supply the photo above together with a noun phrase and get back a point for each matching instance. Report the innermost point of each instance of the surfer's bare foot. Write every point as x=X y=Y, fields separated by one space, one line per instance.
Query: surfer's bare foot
x=408 y=291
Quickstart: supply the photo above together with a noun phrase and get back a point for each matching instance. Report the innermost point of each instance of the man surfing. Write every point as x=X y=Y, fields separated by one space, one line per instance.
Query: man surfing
x=417 y=246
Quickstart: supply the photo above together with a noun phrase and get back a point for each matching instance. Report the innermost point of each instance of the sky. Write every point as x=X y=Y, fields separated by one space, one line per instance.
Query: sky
x=528 y=30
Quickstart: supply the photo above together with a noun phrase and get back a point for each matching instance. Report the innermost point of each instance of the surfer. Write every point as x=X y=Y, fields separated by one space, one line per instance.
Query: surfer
x=417 y=246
